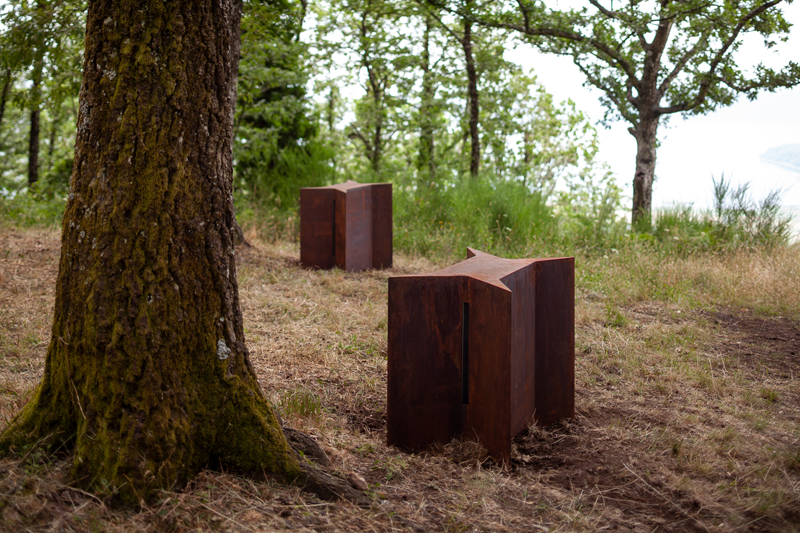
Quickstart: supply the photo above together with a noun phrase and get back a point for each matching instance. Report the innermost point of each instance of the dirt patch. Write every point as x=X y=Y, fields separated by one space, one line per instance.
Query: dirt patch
x=765 y=348
x=631 y=488
x=758 y=341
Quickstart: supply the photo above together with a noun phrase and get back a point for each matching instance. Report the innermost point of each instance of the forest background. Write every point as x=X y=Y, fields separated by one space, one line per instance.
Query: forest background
x=373 y=91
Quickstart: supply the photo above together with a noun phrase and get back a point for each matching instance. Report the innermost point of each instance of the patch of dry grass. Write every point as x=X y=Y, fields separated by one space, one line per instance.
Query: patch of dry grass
x=767 y=282
x=688 y=405
x=28 y=267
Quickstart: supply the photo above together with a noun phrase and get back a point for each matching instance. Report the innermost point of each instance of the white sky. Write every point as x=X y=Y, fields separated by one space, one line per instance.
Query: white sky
x=729 y=140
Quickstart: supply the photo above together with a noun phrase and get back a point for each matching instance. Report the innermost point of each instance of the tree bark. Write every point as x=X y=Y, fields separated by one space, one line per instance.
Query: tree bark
x=33 y=138
x=472 y=101
x=645 y=135
x=147 y=376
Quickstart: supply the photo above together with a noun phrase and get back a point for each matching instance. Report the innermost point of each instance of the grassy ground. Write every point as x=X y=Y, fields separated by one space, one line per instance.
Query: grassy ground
x=688 y=405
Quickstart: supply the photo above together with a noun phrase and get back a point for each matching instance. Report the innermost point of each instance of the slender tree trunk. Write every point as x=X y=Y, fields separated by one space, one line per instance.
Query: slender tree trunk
x=147 y=376
x=33 y=148
x=427 y=161
x=303 y=13
x=51 y=142
x=472 y=101
x=377 y=139
x=33 y=138
x=4 y=96
x=527 y=140
x=331 y=109
x=330 y=117
x=376 y=91
x=645 y=135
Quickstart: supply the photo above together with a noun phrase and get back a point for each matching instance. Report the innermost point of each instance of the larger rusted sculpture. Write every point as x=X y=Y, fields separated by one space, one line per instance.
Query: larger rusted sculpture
x=348 y=225
x=481 y=349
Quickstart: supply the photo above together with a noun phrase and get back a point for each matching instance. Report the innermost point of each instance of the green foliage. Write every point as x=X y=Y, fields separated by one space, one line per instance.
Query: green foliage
x=619 y=46
x=372 y=39
x=298 y=123
x=36 y=208
x=41 y=52
x=652 y=59
x=276 y=149
x=496 y=216
x=507 y=217
x=43 y=203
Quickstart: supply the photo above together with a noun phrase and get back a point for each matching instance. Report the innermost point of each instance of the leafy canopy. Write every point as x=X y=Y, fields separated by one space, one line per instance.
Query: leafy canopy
x=657 y=58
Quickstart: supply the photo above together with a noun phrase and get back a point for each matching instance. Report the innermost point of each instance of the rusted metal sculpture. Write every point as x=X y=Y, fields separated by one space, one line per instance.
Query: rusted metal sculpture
x=481 y=349
x=348 y=225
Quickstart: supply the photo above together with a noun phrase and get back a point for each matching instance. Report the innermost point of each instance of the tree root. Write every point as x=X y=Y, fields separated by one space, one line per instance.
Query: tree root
x=329 y=487
x=301 y=442
x=238 y=235
x=317 y=481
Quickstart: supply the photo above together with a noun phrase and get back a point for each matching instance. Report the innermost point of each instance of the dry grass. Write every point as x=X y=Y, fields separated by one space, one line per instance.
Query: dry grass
x=688 y=405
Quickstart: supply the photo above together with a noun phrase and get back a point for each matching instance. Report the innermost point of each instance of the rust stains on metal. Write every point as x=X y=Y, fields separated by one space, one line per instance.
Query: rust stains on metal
x=503 y=328
x=348 y=225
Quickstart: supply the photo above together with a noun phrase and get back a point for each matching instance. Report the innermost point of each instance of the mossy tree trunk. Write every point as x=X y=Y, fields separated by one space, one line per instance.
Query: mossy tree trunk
x=147 y=375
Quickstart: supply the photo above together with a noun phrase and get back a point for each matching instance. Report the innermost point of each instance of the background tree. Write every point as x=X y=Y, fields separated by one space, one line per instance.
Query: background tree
x=370 y=36
x=147 y=376
x=467 y=57
x=654 y=59
x=426 y=159
x=465 y=39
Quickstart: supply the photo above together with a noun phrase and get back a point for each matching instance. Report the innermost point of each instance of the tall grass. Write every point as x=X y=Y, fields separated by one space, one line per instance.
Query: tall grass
x=737 y=221
x=763 y=280
x=502 y=217
x=507 y=217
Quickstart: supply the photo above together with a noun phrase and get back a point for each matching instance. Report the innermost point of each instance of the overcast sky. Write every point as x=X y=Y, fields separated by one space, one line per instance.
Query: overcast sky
x=729 y=140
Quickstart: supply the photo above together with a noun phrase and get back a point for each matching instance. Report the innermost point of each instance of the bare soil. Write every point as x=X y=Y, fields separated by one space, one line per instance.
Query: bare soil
x=687 y=419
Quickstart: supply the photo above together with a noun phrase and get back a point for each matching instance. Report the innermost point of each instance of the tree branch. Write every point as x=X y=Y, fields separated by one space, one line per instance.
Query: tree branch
x=611 y=96
x=356 y=134
x=444 y=26
x=679 y=66
x=705 y=86
x=614 y=57
x=616 y=16
x=772 y=80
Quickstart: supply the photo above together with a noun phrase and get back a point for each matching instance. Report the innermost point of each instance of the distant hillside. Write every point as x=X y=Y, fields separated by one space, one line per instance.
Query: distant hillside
x=786 y=156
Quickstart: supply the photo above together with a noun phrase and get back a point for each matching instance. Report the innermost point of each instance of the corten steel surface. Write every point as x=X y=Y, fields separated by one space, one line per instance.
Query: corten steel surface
x=348 y=225
x=481 y=349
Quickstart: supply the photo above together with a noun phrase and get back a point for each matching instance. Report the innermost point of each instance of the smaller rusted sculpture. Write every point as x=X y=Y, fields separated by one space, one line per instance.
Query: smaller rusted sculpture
x=348 y=225
x=481 y=349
